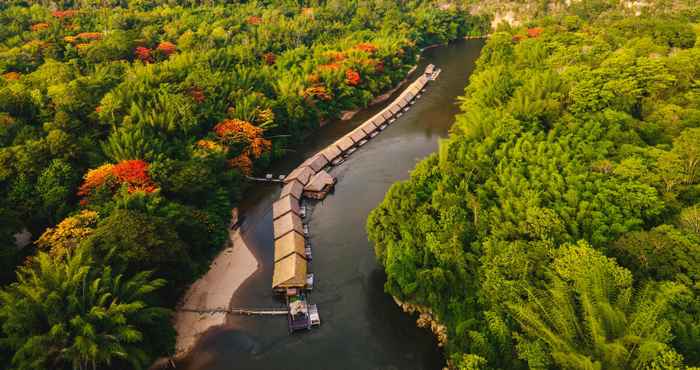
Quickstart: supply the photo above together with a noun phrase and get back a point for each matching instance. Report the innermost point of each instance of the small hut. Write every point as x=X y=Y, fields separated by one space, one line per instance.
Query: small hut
x=289 y=273
x=401 y=102
x=331 y=152
x=294 y=188
x=386 y=114
x=345 y=143
x=286 y=224
x=378 y=120
x=285 y=205
x=316 y=163
x=368 y=128
x=319 y=186
x=394 y=108
x=358 y=134
x=290 y=244
x=301 y=174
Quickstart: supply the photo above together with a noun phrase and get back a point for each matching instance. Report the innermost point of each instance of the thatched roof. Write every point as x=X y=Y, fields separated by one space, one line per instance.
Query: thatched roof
x=357 y=135
x=319 y=182
x=422 y=81
x=289 y=244
x=289 y=272
x=286 y=224
x=414 y=89
x=301 y=174
x=331 y=152
x=394 y=108
x=285 y=205
x=368 y=128
x=378 y=120
x=344 y=143
x=316 y=163
x=294 y=188
x=409 y=95
x=401 y=102
x=386 y=114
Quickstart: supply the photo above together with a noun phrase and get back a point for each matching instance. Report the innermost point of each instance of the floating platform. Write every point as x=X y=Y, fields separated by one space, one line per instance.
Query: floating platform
x=314 y=316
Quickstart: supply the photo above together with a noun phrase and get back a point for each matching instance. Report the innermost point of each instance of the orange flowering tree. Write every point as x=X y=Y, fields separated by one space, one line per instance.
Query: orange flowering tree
x=62 y=14
x=166 y=48
x=367 y=47
x=244 y=138
x=40 y=26
x=242 y=163
x=130 y=173
x=534 y=32
x=12 y=76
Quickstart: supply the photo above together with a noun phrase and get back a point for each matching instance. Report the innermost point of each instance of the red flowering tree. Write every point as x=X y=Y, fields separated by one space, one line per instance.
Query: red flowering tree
x=143 y=54
x=134 y=173
x=352 y=77
x=269 y=58
x=254 y=20
x=197 y=95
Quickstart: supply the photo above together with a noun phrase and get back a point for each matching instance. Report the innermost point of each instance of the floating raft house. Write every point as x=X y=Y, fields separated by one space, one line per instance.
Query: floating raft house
x=289 y=273
x=286 y=224
x=287 y=204
x=290 y=244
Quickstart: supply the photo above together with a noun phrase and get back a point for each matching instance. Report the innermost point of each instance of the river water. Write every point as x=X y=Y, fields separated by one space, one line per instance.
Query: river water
x=362 y=328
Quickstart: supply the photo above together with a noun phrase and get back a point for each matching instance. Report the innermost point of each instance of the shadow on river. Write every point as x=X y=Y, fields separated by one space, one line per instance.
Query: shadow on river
x=362 y=328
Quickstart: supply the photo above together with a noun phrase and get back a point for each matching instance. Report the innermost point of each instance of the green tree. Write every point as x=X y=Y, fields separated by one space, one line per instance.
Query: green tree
x=589 y=316
x=66 y=314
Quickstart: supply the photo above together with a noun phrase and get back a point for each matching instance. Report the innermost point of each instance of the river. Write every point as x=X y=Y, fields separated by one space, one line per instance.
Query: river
x=362 y=328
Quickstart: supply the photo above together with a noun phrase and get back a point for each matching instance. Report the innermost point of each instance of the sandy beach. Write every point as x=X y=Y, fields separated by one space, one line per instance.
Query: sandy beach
x=214 y=290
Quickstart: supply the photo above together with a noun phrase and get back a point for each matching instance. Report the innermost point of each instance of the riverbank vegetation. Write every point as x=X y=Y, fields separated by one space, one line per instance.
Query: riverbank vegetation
x=126 y=131
x=557 y=226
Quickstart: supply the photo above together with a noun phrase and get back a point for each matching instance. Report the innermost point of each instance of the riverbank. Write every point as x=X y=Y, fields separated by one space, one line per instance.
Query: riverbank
x=229 y=270
x=363 y=328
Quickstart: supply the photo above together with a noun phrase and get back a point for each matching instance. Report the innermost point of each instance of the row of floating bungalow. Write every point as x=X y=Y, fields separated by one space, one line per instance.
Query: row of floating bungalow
x=291 y=276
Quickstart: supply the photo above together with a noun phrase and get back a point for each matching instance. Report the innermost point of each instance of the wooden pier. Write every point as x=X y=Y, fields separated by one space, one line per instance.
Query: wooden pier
x=269 y=179
x=240 y=311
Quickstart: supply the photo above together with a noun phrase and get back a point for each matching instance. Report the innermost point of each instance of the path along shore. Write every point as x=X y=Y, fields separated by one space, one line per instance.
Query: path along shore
x=229 y=270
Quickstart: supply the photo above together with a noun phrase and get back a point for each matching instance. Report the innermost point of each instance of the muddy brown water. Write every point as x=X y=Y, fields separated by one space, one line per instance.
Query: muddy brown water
x=362 y=328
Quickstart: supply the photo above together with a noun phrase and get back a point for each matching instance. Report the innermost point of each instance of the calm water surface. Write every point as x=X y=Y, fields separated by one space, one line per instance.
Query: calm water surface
x=362 y=328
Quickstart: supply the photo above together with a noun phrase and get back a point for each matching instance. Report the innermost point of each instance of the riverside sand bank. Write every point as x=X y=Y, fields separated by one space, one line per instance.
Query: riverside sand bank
x=233 y=266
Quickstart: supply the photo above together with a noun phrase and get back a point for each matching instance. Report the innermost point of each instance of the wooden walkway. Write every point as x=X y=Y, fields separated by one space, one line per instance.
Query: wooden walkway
x=239 y=311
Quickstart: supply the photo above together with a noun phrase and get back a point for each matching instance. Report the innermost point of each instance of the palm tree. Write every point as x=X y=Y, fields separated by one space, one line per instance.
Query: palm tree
x=589 y=317
x=70 y=315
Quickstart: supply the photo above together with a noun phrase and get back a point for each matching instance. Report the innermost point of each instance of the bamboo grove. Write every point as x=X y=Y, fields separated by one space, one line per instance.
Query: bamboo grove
x=126 y=130
x=557 y=226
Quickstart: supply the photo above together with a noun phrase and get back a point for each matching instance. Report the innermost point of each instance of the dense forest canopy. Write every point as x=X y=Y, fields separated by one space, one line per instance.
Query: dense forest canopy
x=126 y=130
x=557 y=226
